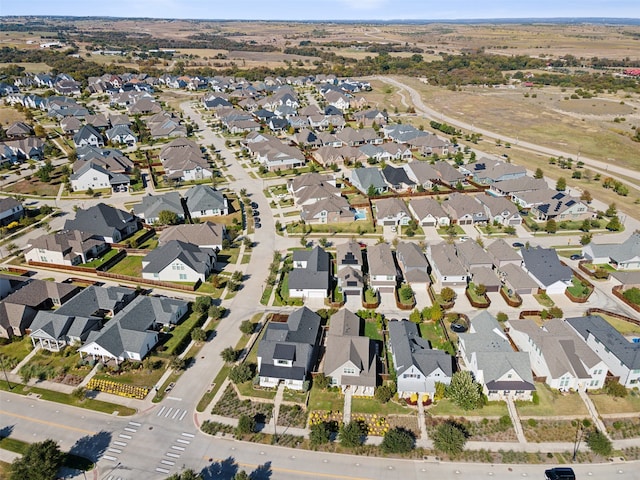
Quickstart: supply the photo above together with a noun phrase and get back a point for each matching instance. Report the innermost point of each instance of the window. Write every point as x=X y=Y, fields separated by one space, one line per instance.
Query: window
x=183 y=276
x=349 y=371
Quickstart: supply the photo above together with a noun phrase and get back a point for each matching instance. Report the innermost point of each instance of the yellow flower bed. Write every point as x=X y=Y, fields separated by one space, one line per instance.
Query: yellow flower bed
x=116 y=388
x=376 y=425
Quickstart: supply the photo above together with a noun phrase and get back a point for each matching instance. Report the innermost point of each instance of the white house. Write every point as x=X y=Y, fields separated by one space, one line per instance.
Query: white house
x=177 y=261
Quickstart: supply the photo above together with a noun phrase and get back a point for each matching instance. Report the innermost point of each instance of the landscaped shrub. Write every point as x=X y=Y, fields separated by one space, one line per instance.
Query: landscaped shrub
x=116 y=388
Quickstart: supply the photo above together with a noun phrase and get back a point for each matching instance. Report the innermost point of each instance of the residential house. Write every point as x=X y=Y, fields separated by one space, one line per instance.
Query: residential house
x=422 y=173
x=550 y=204
x=418 y=366
x=204 y=235
x=206 y=201
x=464 y=209
x=397 y=178
x=78 y=316
x=392 y=212
x=428 y=212
x=502 y=254
x=121 y=134
x=488 y=171
x=165 y=124
x=414 y=265
x=183 y=161
x=19 y=130
x=70 y=125
x=430 y=144
x=18 y=309
x=350 y=359
x=98 y=121
x=178 y=261
x=311 y=274
x=382 y=268
x=110 y=159
x=88 y=135
x=104 y=222
x=517 y=280
x=621 y=356
x=559 y=355
x=71 y=247
x=368 y=179
x=510 y=188
x=349 y=254
x=28 y=148
x=545 y=268
x=625 y=255
x=449 y=175
x=499 y=210
x=503 y=373
x=349 y=269
x=11 y=210
x=446 y=268
x=370 y=117
x=332 y=209
x=90 y=175
x=288 y=351
x=152 y=205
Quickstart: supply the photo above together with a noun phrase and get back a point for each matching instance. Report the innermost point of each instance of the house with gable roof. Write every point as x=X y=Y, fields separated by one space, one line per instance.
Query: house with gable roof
x=414 y=265
x=500 y=210
x=88 y=135
x=10 y=210
x=544 y=266
x=104 y=222
x=392 y=211
x=486 y=351
x=152 y=205
x=559 y=355
x=91 y=175
x=428 y=212
x=368 y=177
x=418 y=366
x=206 y=201
x=447 y=269
x=178 y=261
x=70 y=247
x=288 y=351
x=311 y=274
x=350 y=359
x=382 y=268
x=205 y=234
x=349 y=269
x=621 y=356
x=625 y=255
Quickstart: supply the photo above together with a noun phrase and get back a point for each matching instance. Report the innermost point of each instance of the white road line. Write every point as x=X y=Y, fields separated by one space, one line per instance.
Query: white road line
x=122 y=435
x=162 y=470
x=174 y=398
x=188 y=435
x=132 y=430
x=109 y=457
x=175 y=414
x=172 y=455
x=167 y=462
x=178 y=448
x=184 y=442
x=110 y=477
x=182 y=416
x=120 y=444
x=160 y=412
x=115 y=450
x=135 y=424
x=168 y=412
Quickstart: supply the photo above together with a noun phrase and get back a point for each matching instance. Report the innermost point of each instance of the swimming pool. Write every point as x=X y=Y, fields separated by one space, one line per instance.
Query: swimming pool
x=361 y=214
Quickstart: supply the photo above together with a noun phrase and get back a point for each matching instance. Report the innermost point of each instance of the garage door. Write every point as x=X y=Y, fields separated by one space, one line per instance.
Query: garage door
x=429 y=224
x=389 y=223
x=515 y=221
x=465 y=222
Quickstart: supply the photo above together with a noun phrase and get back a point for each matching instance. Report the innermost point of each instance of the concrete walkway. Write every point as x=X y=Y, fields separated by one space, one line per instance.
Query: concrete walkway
x=346 y=413
x=89 y=376
x=593 y=412
x=276 y=405
x=25 y=360
x=515 y=420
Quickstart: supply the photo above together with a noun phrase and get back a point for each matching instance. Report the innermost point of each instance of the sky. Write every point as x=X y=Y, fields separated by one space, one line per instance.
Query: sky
x=328 y=9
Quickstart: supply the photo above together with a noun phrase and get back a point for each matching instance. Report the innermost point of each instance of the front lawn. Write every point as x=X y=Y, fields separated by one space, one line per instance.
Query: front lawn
x=325 y=400
x=552 y=402
x=544 y=300
x=180 y=336
x=446 y=408
x=137 y=375
x=96 y=262
x=579 y=289
x=13 y=352
x=607 y=404
x=130 y=265
x=371 y=405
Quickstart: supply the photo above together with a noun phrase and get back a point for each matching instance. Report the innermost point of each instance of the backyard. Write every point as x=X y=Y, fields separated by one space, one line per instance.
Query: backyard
x=130 y=265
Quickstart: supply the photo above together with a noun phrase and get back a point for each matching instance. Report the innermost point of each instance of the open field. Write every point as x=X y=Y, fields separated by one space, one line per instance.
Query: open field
x=10 y=115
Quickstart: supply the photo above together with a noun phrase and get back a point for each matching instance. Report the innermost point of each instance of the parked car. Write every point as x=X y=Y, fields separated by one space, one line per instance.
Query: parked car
x=169 y=387
x=254 y=205
x=257 y=219
x=258 y=225
x=255 y=213
x=518 y=244
x=576 y=256
x=560 y=473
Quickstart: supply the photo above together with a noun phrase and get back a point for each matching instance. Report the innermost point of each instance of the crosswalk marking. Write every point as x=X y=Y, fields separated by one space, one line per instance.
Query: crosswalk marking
x=175 y=414
x=167 y=462
x=162 y=470
x=188 y=435
x=132 y=430
x=109 y=457
x=178 y=448
x=120 y=444
x=183 y=414
x=160 y=412
x=115 y=450
x=122 y=435
x=168 y=412
x=172 y=455
x=184 y=442
x=135 y=424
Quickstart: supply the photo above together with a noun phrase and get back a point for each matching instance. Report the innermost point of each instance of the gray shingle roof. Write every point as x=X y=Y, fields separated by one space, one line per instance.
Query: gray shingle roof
x=152 y=205
x=348 y=254
x=198 y=259
x=410 y=349
x=544 y=265
x=628 y=353
x=380 y=260
x=101 y=220
x=204 y=197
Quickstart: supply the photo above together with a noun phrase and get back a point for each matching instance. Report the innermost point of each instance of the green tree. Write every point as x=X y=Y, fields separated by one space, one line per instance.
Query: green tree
x=40 y=461
x=229 y=355
x=614 y=225
x=447 y=294
x=350 y=434
x=586 y=239
x=502 y=317
x=321 y=381
x=398 y=440
x=551 y=226
x=241 y=373
x=247 y=327
x=383 y=393
x=450 y=438
x=586 y=225
x=198 y=335
x=202 y=304
x=167 y=217
x=215 y=312
x=320 y=434
x=246 y=425
x=241 y=475
x=186 y=475
x=561 y=184
x=371 y=191
x=611 y=211
x=464 y=392
x=178 y=363
x=481 y=290
x=599 y=443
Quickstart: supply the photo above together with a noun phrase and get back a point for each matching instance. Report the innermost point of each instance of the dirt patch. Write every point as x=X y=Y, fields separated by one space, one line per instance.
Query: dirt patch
x=595 y=106
x=9 y=115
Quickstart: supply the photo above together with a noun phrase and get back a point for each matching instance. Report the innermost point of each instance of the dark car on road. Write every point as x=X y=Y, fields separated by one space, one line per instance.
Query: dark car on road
x=560 y=473
x=254 y=205
x=576 y=257
x=518 y=244
x=258 y=225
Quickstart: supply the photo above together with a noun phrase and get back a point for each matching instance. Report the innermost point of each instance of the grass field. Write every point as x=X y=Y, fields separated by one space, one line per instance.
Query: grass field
x=325 y=400
x=608 y=404
x=371 y=405
x=552 y=403
x=446 y=408
x=130 y=265
x=9 y=115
